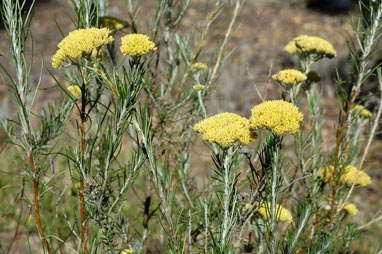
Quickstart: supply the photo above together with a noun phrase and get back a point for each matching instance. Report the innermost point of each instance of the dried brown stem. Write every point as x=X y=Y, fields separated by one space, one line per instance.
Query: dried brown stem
x=146 y=215
x=335 y=182
x=82 y=197
x=369 y=141
x=36 y=203
x=370 y=41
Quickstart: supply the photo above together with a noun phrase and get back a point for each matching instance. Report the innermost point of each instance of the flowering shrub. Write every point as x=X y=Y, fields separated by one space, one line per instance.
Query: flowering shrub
x=114 y=166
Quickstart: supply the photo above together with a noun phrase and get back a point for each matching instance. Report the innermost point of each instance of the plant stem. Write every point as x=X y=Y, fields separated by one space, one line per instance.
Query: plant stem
x=82 y=197
x=369 y=43
x=226 y=201
x=36 y=202
x=146 y=216
x=202 y=104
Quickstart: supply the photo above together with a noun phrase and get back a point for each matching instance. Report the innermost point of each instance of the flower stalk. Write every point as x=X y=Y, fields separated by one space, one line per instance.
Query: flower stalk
x=36 y=203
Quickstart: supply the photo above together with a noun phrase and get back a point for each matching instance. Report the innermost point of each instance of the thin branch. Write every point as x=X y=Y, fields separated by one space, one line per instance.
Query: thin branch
x=369 y=141
x=236 y=11
x=370 y=223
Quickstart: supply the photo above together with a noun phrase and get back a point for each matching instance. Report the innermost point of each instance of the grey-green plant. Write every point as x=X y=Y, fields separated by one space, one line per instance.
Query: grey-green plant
x=117 y=159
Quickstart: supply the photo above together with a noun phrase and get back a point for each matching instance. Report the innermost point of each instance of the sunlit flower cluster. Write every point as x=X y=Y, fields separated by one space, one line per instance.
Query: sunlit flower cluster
x=75 y=91
x=80 y=43
x=199 y=66
x=198 y=87
x=112 y=23
x=225 y=128
x=348 y=175
x=282 y=214
x=277 y=115
x=350 y=208
x=136 y=45
x=362 y=111
x=312 y=46
x=290 y=77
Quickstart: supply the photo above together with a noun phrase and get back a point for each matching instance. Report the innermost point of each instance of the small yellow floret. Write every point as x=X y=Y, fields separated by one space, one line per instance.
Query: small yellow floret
x=313 y=46
x=282 y=214
x=198 y=87
x=77 y=186
x=136 y=45
x=127 y=251
x=225 y=128
x=350 y=208
x=75 y=91
x=363 y=111
x=348 y=175
x=277 y=115
x=112 y=23
x=290 y=77
x=58 y=59
x=80 y=43
x=248 y=206
x=199 y=66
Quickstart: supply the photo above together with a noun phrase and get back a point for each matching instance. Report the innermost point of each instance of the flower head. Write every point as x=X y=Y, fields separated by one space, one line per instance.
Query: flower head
x=348 y=175
x=282 y=214
x=277 y=115
x=312 y=46
x=350 y=208
x=199 y=66
x=75 y=91
x=290 y=77
x=225 y=128
x=80 y=43
x=198 y=87
x=362 y=111
x=136 y=45
x=112 y=23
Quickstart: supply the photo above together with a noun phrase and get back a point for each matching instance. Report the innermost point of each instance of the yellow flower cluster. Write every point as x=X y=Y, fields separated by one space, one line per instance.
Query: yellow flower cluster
x=198 y=87
x=80 y=43
x=350 y=208
x=112 y=23
x=75 y=91
x=225 y=128
x=282 y=214
x=290 y=77
x=363 y=111
x=311 y=46
x=277 y=115
x=127 y=251
x=348 y=175
x=136 y=45
x=199 y=66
